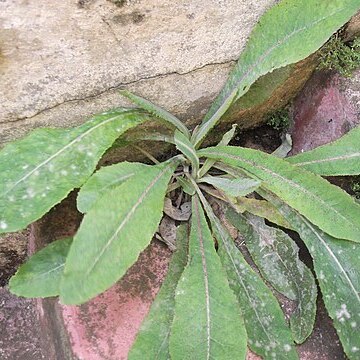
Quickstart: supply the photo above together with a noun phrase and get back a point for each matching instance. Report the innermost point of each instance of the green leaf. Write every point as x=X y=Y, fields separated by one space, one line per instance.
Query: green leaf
x=260 y=208
x=207 y=322
x=342 y=157
x=336 y=263
x=40 y=170
x=276 y=256
x=269 y=336
x=153 y=337
x=103 y=180
x=271 y=46
x=186 y=147
x=233 y=187
x=324 y=204
x=227 y=137
x=40 y=276
x=284 y=148
x=186 y=185
x=114 y=232
x=156 y=111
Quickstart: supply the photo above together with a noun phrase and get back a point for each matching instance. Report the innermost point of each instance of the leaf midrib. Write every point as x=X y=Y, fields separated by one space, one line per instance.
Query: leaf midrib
x=316 y=233
x=292 y=183
x=78 y=138
x=206 y=279
x=318 y=161
x=220 y=231
x=255 y=228
x=127 y=217
x=232 y=94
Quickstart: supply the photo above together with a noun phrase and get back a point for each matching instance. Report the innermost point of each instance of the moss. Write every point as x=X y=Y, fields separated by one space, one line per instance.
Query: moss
x=341 y=57
x=355 y=187
x=279 y=120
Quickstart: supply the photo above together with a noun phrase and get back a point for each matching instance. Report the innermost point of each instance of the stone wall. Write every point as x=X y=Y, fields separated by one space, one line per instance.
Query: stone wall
x=62 y=61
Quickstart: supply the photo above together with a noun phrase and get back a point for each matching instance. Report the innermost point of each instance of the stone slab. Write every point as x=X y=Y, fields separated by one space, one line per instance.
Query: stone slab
x=62 y=61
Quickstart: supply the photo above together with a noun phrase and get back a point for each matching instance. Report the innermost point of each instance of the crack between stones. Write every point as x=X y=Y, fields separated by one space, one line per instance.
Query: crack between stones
x=118 y=86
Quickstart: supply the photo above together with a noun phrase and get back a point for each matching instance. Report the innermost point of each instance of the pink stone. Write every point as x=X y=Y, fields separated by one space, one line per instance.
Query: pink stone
x=322 y=113
x=106 y=326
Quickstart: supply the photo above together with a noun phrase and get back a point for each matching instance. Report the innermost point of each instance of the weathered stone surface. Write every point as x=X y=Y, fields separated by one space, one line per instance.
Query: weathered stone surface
x=62 y=61
x=19 y=336
x=327 y=108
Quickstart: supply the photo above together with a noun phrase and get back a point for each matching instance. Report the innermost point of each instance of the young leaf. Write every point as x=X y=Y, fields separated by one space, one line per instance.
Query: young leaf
x=40 y=170
x=40 y=276
x=186 y=185
x=324 y=204
x=336 y=263
x=157 y=111
x=276 y=256
x=260 y=208
x=271 y=46
x=114 y=232
x=227 y=137
x=104 y=179
x=342 y=157
x=233 y=187
x=186 y=147
x=265 y=324
x=207 y=322
x=153 y=337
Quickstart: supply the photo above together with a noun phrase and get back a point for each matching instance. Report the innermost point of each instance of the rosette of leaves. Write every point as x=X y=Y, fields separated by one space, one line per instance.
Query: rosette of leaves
x=215 y=301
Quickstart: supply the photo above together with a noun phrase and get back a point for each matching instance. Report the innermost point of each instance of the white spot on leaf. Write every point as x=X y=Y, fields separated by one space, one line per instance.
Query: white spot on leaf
x=342 y=314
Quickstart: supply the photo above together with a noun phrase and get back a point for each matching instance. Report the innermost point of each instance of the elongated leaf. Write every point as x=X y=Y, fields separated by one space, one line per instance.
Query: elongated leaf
x=157 y=111
x=153 y=337
x=342 y=157
x=113 y=233
x=40 y=276
x=233 y=187
x=207 y=322
x=265 y=324
x=186 y=147
x=276 y=256
x=106 y=178
x=264 y=243
x=324 y=204
x=271 y=46
x=227 y=137
x=41 y=169
x=260 y=208
x=336 y=263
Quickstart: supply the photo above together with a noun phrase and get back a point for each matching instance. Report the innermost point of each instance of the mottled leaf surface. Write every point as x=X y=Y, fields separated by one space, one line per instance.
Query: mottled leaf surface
x=104 y=179
x=41 y=169
x=152 y=341
x=271 y=46
x=277 y=257
x=40 y=276
x=268 y=333
x=260 y=208
x=207 y=322
x=233 y=187
x=326 y=205
x=336 y=263
x=342 y=157
x=114 y=232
